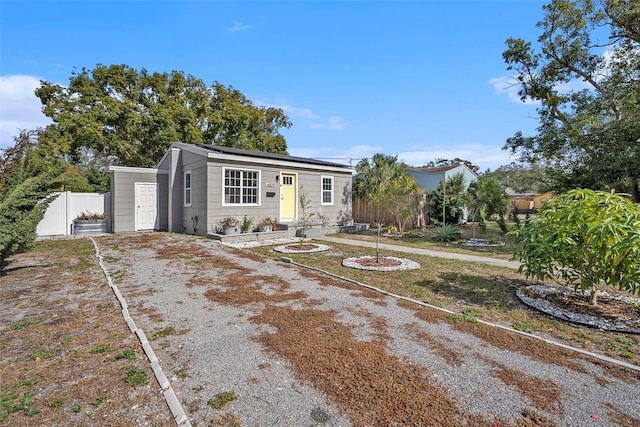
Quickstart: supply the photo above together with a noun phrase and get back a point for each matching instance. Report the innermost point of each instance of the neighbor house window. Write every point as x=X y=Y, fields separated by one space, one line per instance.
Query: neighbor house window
x=327 y=190
x=187 y=188
x=241 y=187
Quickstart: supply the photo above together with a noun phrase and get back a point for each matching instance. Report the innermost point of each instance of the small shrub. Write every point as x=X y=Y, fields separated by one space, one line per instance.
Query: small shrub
x=56 y=402
x=101 y=348
x=76 y=409
x=99 y=401
x=135 y=376
x=220 y=400
x=45 y=353
x=162 y=333
x=125 y=354
x=522 y=327
x=465 y=316
x=446 y=233
x=24 y=323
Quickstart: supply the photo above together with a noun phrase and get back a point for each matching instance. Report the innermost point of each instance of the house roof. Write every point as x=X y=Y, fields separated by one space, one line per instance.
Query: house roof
x=438 y=169
x=265 y=155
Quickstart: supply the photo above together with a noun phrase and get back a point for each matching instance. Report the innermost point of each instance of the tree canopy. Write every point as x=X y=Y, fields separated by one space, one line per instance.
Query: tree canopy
x=448 y=162
x=27 y=181
x=118 y=115
x=524 y=178
x=587 y=85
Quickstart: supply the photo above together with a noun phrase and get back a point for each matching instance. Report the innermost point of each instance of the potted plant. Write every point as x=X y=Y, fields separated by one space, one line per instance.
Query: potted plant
x=90 y=223
x=228 y=225
x=267 y=224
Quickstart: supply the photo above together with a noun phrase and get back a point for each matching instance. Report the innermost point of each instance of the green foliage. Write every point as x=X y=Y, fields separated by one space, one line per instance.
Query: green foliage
x=245 y=226
x=117 y=112
x=523 y=178
x=135 y=376
x=220 y=400
x=588 y=132
x=27 y=179
x=586 y=238
x=305 y=205
x=101 y=348
x=124 y=354
x=446 y=233
x=465 y=316
x=99 y=400
x=522 y=327
x=12 y=400
x=449 y=199
x=385 y=183
x=24 y=323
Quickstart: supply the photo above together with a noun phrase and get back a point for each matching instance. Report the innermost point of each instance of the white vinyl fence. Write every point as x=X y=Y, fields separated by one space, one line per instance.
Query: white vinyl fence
x=58 y=219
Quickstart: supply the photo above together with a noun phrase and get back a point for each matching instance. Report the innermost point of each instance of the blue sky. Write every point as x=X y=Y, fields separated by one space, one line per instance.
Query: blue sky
x=417 y=79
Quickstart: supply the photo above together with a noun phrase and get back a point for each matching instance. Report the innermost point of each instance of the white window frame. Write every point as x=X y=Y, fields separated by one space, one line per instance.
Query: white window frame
x=323 y=191
x=188 y=192
x=243 y=170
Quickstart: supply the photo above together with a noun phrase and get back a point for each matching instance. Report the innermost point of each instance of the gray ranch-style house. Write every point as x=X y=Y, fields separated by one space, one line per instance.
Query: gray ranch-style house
x=194 y=186
x=428 y=179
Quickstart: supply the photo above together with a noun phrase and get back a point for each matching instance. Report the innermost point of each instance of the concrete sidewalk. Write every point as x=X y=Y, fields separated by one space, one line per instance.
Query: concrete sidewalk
x=428 y=252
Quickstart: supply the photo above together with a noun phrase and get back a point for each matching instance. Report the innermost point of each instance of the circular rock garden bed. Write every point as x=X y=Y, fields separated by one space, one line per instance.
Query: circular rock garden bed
x=383 y=263
x=297 y=248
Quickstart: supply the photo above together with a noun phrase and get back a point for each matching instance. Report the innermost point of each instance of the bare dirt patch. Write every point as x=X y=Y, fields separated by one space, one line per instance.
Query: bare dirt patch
x=65 y=348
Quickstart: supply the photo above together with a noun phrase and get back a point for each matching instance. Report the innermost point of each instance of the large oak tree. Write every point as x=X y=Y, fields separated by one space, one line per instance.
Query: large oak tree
x=584 y=71
x=119 y=115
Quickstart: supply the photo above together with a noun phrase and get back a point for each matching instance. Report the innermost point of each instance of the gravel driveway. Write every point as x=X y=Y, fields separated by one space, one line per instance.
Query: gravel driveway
x=224 y=320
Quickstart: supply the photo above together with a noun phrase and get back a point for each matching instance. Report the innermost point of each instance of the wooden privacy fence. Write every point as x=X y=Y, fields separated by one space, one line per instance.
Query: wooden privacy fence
x=364 y=212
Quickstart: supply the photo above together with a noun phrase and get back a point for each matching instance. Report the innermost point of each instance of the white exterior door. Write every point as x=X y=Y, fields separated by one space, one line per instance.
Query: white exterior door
x=146 y=206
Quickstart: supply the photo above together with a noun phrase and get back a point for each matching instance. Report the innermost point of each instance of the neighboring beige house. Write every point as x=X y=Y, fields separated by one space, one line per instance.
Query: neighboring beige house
x=527 y=202
x=194 y=186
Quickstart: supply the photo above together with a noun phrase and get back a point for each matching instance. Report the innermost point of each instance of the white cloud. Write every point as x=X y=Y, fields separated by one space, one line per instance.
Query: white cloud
x=239 y=26
x=295 y=111
x=332 y=123
x=19 y=106
x=509 y=86
x=484 y=156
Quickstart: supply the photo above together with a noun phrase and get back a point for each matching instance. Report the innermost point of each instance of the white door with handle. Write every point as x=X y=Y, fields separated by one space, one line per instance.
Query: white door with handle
x=146 y=206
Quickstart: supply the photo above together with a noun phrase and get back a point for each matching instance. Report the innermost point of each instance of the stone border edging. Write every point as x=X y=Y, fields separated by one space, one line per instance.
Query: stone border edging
x=506 y=328
x=179 y=416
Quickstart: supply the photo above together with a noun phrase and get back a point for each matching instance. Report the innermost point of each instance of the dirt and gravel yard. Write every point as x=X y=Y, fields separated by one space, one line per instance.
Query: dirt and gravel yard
x=251 y=341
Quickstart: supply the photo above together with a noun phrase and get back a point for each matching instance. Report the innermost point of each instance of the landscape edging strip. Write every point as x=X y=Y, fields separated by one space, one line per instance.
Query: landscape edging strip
x=506 y=328
x=172 y=401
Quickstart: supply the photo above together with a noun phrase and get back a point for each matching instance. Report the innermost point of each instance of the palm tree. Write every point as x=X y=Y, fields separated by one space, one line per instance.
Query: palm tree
x=385 y=183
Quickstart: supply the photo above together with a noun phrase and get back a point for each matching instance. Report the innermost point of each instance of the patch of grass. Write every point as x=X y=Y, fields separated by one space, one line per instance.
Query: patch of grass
x=76 y=409
x=522 y=327
x=465 y=316
x=44 y=353
x=56 y=402
x=101 y=348
x=125 y=354
x=25 y=323
x=11 y=400
x=99 y=400
x=135 y=376
x=162 y=333
x=220 y=400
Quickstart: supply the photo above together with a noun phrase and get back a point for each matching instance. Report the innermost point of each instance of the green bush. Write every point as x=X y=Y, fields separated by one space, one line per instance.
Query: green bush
x=21 y=209
x=585 y=238
x=446 y=233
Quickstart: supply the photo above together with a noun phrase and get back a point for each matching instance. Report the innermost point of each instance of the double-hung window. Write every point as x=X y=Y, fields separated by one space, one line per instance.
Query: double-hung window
x=241 y=187
x=326 y=190
x=187 y=188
